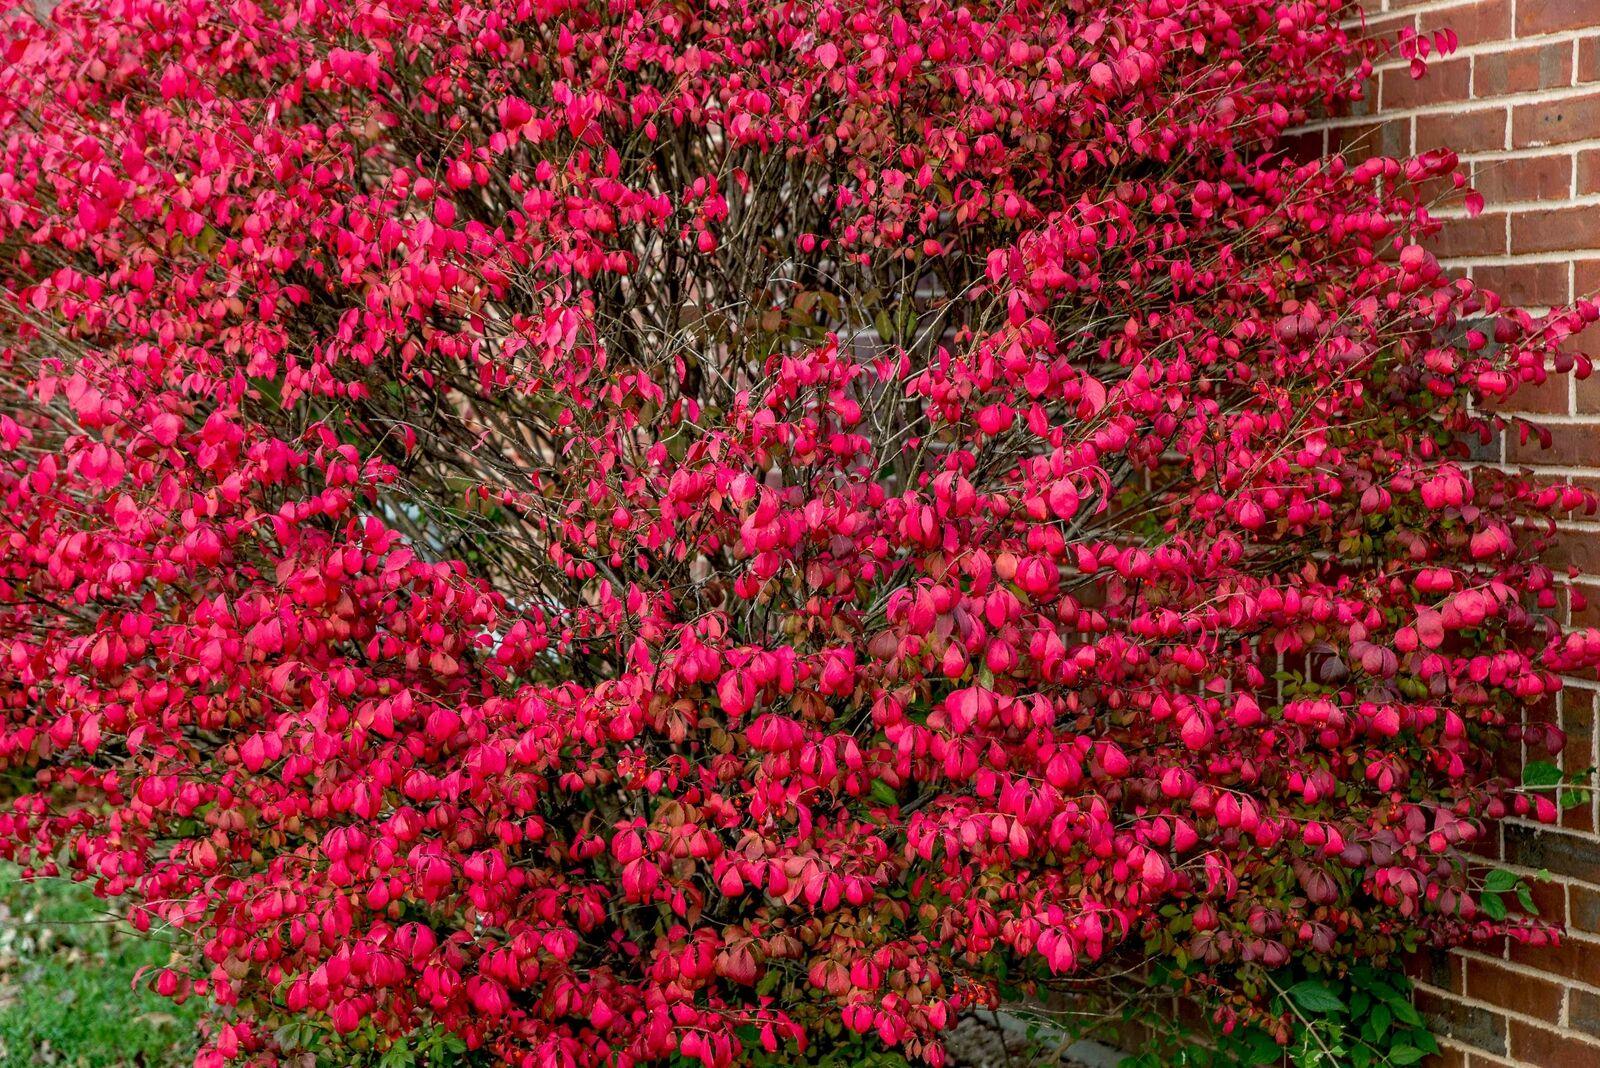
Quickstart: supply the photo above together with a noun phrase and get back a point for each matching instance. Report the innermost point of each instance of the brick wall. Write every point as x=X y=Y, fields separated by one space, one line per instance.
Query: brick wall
x=1520 y=102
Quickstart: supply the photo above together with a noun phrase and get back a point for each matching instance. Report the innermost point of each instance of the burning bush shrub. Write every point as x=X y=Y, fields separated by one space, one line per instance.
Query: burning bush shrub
x=607 y=531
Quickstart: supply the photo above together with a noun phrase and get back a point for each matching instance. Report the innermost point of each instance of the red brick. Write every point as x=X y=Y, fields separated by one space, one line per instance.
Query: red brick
x=1508 y=762
x=1580 y=817
x=1388 y=25
x=1528 y=283
x=1555 y=229
x=1475 y=21
x=1539 y=998
x=1542 y=710
x=1589 y=59
x=1483 y=1060
x=1553 y=16
x=1570 y=960
x=1484 y=451
x=1587 y=341
x=1577 y=720
x=1570 y=446
x=1446 y=82
x=1483 y=236
x=1578 y=600
x=1528 y=1017
x=1376 y=139
x=1479 y=130
x=1438 y=968
x=1556 y=122
x=1573 y=856
x=1524 y=178
x=1583 y=1013
x=1549 y=899
x=1470 y=1025
x=1447 y=1057
x=1579 y=549
x=1585 y=604
x=1583 y=908
x=1589 y=171
x=1522 y=70
x=1486 y=848
x=1586 y=278
x=1305 y=147
x=1363 y=105
x=1441 y=192
x=1549 y=1049
x=1546 y=398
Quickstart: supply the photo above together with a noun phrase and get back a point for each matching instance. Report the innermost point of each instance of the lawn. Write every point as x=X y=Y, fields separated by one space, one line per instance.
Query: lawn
x=66 y=994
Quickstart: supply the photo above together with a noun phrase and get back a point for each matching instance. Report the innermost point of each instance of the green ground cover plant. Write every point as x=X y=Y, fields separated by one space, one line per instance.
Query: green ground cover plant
x=67 y=993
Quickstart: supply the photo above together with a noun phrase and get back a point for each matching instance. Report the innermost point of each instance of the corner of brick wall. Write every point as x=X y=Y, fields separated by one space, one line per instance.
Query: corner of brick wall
x=1520 y=102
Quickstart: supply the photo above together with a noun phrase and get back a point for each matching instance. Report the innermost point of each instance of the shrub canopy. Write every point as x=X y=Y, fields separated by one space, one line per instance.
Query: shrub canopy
x=625 y=529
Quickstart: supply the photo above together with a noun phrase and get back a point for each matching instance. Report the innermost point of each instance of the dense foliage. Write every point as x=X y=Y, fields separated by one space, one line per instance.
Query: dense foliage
x=617 y=530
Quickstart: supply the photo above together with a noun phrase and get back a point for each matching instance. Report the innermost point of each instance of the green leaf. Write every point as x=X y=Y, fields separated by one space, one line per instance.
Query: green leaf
x=1493 y=906
x=1499 y=881
x=396 y=1057
x=1541 y=773
x=1261 y=1049
x=883 y=325
x=1314 y=996
x=1387 y=992
x=1405 y=1055
x=883 y=793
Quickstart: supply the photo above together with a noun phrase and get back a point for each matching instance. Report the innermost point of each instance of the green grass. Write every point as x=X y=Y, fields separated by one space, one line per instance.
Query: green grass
x=66 y=994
